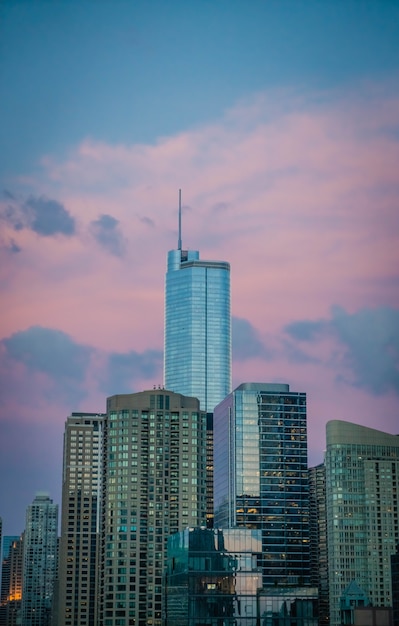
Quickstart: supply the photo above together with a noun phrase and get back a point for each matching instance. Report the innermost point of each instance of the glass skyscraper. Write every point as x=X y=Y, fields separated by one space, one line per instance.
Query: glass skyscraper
x=197 y=354
x=261 y=475
x=39 y=561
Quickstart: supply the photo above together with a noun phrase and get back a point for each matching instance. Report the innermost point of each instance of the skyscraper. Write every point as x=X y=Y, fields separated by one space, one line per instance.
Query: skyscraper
x=39 y=561
x=318 y=538
x=261 y=476
x=11 y=581
x=197 y=350
x=80 y=520
x=154 y=485
x=362 y=487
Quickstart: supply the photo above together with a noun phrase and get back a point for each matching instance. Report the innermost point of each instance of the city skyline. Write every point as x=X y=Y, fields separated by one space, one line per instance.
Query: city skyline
x=285 y=147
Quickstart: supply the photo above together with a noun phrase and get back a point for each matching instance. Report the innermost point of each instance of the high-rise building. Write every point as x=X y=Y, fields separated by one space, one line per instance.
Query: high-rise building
x=362 y=487
x=318 y=538
x=80 y=520
x=197 y=351
x=39 y=561
x=154 y=485
x=11 y=581
x=261 y=475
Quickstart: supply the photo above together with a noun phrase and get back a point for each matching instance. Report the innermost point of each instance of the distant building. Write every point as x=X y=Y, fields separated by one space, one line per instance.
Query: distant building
x=362 y=486
x=11 y=581
x=154 y=486
x=39 y=561
x=261 y=475
x=318 y=538
x=197 y=354
x=77 y=600
x=213 y=577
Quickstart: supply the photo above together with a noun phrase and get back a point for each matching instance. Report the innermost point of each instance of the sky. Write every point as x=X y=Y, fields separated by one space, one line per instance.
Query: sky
x=279 y=121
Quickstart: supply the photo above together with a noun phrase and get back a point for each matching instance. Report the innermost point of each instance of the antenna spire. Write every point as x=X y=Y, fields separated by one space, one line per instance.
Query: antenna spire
x=179 y=240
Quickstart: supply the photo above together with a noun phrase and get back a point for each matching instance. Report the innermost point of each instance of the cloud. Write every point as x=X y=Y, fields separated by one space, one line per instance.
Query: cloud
x=148 y=221
x=107 y=233
x=49 y=217
x=45 y=362
x=220 y=207
x=367 y=355
x=41 y=215
x=50 y=351
x=247 y=343
x=306 y=330
x=124 y=370
x=9 y=245
x=371 y=338
x=296 y=355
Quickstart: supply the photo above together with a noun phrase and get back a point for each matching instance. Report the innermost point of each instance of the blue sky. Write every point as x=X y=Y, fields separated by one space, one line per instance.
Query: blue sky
x=279 y=121
x=135 y=71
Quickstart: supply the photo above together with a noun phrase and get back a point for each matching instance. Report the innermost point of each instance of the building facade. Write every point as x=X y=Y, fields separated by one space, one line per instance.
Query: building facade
x=80 y=520
x=261 y=475
x=197 y=350
x=39 y=561
x=318 y=538
x=213 y=577
x=395 y=586
x=154 y=485
x=11 y=581
x=362 y=486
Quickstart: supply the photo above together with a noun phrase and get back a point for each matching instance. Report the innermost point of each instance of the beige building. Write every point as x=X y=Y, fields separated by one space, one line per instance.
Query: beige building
x=362 y=487
x=154 y=486
x=80 y=519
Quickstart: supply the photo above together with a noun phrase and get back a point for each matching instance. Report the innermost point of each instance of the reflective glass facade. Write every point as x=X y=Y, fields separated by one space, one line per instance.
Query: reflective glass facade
x=213 y=577
x=318 y=538
x=39 y=561
x=261 y=475
x=362 y=487
x=197 y=351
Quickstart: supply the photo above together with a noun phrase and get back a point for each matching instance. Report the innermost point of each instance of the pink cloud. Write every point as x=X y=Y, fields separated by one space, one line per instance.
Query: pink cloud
x=308 y=188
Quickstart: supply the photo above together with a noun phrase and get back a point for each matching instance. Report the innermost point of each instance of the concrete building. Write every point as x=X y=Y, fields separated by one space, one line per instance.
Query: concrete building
x=197 y=355
x=77 y=601
x=261 y=475
x=362 y=486
x=39 y=561
x=154 y=486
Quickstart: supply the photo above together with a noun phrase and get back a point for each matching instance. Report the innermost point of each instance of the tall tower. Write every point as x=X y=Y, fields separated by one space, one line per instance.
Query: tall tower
x=154 y=485
x=40 y=561
x=197 y=350
x=80 y=520
x=362 y=487
x=261 y=481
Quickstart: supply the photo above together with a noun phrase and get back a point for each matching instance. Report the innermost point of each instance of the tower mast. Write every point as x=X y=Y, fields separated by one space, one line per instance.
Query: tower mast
x=179 y=240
